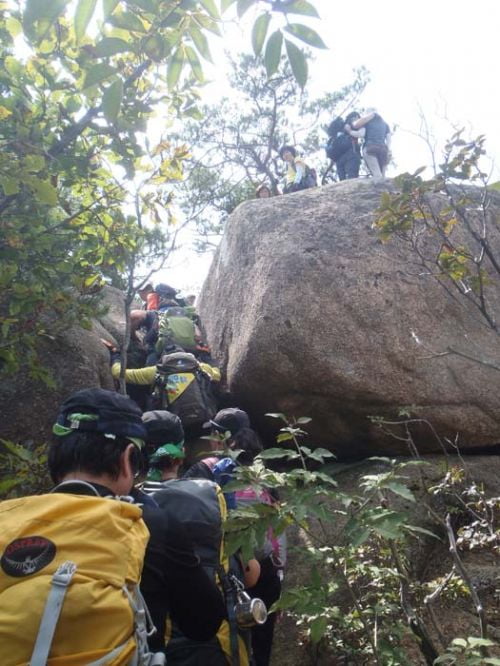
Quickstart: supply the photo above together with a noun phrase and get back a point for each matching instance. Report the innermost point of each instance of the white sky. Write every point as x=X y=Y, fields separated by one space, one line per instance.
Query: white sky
x=439 y=55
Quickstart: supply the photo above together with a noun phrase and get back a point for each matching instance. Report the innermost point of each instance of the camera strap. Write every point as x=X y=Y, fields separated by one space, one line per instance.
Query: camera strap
x=230 y=594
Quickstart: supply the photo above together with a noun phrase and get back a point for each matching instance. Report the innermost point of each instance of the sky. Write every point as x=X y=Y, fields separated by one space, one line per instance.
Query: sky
x=439 y=57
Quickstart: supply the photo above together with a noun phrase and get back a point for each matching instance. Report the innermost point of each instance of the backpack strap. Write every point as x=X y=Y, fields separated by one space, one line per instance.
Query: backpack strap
x=53 y=606
x=230 y=597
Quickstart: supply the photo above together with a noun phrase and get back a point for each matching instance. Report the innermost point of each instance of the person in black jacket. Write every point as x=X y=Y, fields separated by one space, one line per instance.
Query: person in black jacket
x=98 y=450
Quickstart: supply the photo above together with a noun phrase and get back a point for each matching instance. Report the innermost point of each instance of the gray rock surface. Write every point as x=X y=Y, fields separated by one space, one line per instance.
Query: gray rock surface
x=77 y=359
x=311 y=315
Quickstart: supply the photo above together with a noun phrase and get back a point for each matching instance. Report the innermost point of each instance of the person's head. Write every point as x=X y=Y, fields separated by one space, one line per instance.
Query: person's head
x=336 y=126
x=165 y=291
x=144 y=291
x=352 y=117
x=164 y=442
x=288 y=153
x=98 y=437
x=263 y=192
x=241 y=435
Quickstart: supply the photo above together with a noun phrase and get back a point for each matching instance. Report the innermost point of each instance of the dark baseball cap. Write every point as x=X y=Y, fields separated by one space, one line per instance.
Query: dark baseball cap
x=163 y=427
x=100 y=411
x=231 y=418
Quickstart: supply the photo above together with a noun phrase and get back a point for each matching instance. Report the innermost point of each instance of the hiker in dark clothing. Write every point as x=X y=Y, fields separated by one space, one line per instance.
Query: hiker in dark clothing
x=271 y=560
x=377 y=140
x=98 y=451
x=342 y=149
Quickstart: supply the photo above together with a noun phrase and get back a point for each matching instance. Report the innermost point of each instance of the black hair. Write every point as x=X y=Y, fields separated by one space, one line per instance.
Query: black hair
x=336 y=126
x=89 y=452
x=165 y=463
x=249 y=442
x=354 y=115
x=290 y=149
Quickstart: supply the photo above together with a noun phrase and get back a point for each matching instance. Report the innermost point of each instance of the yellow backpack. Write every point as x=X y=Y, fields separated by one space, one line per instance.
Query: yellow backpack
x=70 y=567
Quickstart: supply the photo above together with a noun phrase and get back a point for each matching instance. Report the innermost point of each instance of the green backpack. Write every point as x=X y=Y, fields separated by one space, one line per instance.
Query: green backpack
x=176 y=328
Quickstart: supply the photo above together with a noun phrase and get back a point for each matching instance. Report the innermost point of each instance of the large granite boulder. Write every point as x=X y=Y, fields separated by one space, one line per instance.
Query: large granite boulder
x=311 y=315
x=76 y=359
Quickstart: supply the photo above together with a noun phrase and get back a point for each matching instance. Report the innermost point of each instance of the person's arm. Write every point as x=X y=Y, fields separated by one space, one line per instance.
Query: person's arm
x=357 y=134
x=361 y=122
x=142 y=376
x=174 y=582
x=299 y=172
x=388 y=139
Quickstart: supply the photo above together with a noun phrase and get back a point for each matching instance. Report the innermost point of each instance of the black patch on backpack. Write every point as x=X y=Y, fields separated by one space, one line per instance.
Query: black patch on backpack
x=26 y=556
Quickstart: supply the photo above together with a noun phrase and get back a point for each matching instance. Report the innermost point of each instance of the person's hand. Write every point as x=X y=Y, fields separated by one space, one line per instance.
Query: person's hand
x=109 y=345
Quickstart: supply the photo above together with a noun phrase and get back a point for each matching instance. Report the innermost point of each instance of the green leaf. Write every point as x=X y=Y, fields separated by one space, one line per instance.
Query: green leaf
x=8 y=484
x=13 y=26
x=305 y=34
x=284 y=437
x=97 y=74
x=273 y=52
x=44 y=191
x=84 y=12
x=243 y=6
x=318 y=628
x=211 y=8
x=302 y=7
x=17 y=450
x=175 y=68
x=298 y=63
x=303 y=420
x=112 y=100
x=421 y=530
x=109 y=46
x=38 y=10
x=495 y=186
x=401 y=490
x=108 y=7
x=259 y=32
x=277 y=415
x=276 y=453
x=195 y=63
x=10 y=186
x=225 y=4
x=128 y=21
x=201 y=42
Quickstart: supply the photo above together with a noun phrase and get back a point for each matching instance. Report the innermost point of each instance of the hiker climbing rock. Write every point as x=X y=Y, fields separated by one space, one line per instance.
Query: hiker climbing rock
x=342 y=148
x=299 y=175
x=179 y=383
x=271 y=557
x=87 y=540
x=377 y=141
x=201 y=508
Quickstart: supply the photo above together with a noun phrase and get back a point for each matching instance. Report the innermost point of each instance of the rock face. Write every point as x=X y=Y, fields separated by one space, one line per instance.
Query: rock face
x=311 y=315
x=77 y=360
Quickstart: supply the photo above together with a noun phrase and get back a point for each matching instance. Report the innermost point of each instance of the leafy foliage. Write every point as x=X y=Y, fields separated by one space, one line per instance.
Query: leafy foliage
x=452 y=237
x=23 y=469
x=83 y=193
x=355 y=554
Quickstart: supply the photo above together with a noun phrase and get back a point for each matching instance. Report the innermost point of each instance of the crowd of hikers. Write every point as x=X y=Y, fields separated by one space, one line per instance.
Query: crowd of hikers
x=344 y=151
x=124 y=561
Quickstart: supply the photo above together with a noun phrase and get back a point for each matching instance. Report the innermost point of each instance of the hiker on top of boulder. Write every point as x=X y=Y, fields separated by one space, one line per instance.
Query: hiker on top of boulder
x=298 y=176
x=343 y=149
x=272 y=556
x=263 y=192
x=87 y=541
x=377 y=141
